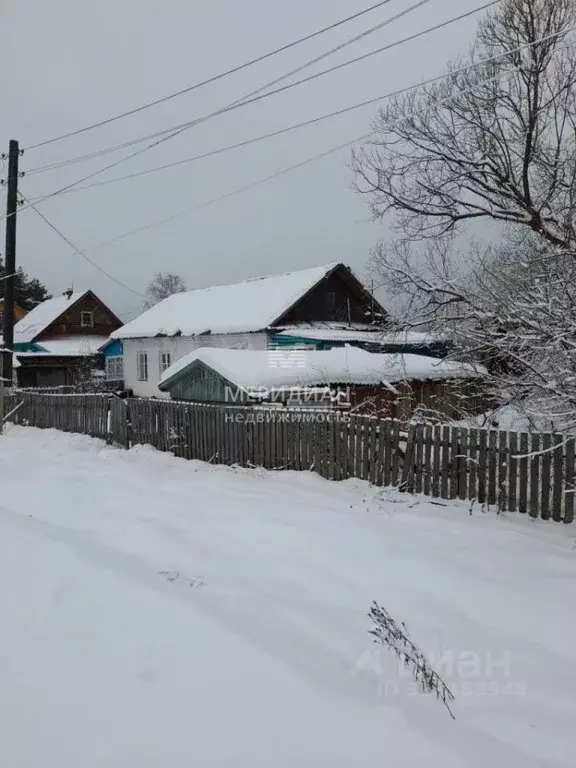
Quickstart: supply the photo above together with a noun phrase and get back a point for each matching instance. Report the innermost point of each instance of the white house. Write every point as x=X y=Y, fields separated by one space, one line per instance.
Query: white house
x=246 y=315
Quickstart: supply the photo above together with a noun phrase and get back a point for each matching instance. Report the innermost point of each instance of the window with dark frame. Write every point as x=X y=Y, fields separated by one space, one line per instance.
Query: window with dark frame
x=165 y=361
x=142 y=366
x=87 y=319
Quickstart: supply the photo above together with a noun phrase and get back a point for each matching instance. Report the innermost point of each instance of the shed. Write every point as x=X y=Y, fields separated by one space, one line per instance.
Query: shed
x=390 y=384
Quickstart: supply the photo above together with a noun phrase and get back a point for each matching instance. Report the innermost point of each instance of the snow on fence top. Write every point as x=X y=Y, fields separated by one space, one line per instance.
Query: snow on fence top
x=252 y=305
x=42 y=316
x=283 y=368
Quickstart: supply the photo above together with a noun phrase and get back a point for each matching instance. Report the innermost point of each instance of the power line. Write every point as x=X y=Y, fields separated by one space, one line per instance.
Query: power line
x=253 y=97
x=249 y=98
x=213 y=79
x=301 y=164
x=290 y=168
x=296 y=126
x=78 y=251
x=273 y=134
x=240 y=102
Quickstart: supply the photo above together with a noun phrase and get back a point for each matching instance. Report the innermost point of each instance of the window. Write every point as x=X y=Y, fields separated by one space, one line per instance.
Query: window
x=87 y=319
x=1 y=319
x=164 y=361
x=142 y=364
x=331 y=299
x=114 y=369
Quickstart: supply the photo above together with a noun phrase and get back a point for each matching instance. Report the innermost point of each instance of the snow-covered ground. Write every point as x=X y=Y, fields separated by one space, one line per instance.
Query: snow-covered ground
x=157 y=612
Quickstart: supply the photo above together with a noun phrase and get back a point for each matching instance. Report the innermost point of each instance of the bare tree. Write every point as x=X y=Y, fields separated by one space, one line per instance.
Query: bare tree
x=164 y=284
x=512 y=309
x=496 y=142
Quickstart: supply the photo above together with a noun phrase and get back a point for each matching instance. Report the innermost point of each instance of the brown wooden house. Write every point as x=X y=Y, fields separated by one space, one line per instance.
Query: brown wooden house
x=58 y=342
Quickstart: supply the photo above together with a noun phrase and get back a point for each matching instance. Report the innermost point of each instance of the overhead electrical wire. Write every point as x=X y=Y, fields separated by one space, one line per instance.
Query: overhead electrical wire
x=75 y=188
x=314 y=158
x=78 y=251
x=212 y=79
x=249 y=98
x=254 y=97
x=280 y=132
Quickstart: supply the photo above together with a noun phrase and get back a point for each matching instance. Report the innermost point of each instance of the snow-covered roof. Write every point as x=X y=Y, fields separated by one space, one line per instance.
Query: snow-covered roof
x=356 y=332
x=334 y=332
x=36 y=321
x=71 y=346
x=285 y=368
x=252 y=305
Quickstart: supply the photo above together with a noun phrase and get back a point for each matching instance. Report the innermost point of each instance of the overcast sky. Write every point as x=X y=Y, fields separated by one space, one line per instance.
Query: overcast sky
x=69 y=63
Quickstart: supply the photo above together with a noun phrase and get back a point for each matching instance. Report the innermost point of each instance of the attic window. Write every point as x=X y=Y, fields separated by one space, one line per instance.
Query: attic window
x=87 y=319
x=331 y=300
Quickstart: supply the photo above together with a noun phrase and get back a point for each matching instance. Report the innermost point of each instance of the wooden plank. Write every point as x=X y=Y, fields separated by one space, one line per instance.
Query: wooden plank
x=482 y=495
x=360 y=446
x=558 y=478
x=418 y=458
x=503 y=456
x=395 y=435
x=523 y=475
x=472 y=493
x=534 y=476
x=546 y=464
x=386 y=453
x=436 y=459
x=512 y=472
x=336 y=448
x=454 y=467
x=492 y=478
x=569 y=482
x=407 y=482
x=463 y=463
x=285 y=449
x=445 y=463
x=428 y=436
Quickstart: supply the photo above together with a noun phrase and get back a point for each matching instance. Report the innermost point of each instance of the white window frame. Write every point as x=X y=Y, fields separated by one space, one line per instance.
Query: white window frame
x=83 y=315
x=164 y=361
x=142 y=366
x=115 y=368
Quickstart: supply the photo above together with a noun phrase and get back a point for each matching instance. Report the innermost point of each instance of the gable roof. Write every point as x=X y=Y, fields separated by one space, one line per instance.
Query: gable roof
x=250 y=306
x=39 y=318
x=277 y=369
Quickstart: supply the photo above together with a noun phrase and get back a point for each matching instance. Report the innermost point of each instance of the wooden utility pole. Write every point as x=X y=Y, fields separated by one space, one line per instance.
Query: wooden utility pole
x=10 y=259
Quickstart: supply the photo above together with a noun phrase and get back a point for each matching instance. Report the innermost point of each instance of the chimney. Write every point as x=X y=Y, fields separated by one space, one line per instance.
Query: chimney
x=68 y=293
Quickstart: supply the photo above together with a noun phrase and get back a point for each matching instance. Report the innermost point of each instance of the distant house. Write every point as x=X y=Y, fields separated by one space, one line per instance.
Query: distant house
x=247 y=315
x=59 y=340
x=19 y=313
x=389 y=384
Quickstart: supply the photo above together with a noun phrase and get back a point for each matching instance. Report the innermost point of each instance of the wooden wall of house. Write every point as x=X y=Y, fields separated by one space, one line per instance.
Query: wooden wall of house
x=333 y=299
x=70 y=323
x=453 y=399
x=204 y=385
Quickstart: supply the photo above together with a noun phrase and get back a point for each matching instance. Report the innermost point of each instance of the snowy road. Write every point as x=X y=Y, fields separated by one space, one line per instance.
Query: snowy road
x=159 y=612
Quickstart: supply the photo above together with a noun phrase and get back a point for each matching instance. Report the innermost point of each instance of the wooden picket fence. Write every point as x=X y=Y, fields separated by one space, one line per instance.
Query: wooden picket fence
x=528 y=473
